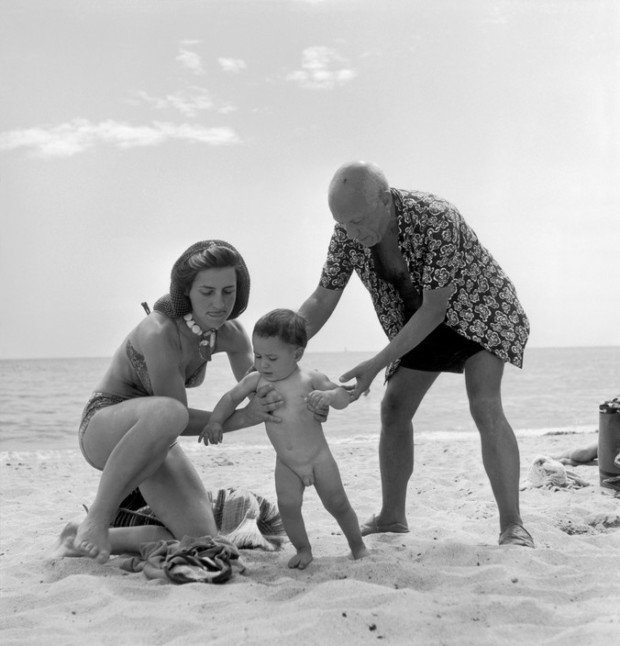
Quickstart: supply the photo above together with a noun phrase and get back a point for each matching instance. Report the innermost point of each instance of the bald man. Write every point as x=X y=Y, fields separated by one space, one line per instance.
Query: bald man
x=445 y=305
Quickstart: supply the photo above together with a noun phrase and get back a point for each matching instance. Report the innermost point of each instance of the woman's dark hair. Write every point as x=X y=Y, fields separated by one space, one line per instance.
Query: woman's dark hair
x=285 y=325
x=213 y=257
x=208 y=254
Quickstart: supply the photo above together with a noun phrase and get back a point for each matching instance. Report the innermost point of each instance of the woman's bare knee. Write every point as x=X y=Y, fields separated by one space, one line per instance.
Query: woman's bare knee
x=168 y=415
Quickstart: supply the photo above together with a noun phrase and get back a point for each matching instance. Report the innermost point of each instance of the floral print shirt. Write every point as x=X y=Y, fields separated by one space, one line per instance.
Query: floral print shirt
x=440 y=249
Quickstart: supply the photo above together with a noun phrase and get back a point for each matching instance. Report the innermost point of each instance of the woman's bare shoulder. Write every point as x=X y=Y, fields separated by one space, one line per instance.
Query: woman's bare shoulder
x=154 y=330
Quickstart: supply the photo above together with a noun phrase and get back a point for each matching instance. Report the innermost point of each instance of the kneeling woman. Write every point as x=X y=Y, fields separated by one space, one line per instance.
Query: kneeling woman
x=130 y=425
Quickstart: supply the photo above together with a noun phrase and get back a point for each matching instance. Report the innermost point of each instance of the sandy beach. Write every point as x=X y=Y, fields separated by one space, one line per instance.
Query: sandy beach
x=445 y=582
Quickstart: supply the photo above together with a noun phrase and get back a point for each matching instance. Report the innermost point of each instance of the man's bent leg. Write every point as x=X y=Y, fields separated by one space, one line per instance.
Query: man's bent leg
x=403 y=395
x=500 y=451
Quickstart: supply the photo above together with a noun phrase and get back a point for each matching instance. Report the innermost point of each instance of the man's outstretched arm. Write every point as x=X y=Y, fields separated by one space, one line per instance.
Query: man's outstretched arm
x=318 y=307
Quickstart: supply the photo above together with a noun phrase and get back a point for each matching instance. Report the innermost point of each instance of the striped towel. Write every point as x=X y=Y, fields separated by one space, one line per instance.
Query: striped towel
x=191 y=560
x=244 y=518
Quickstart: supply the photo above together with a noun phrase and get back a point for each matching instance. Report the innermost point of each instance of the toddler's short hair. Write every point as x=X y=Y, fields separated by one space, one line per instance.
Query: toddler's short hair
x=283 y=324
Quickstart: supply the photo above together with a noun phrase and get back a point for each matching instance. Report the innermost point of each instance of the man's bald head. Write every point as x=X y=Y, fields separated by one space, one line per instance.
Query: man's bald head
x=356 y=185
x=360 y=200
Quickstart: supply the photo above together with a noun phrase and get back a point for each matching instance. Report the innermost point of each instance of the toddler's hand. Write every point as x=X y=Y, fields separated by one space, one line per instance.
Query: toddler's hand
x=318 y=399
x=211 y=434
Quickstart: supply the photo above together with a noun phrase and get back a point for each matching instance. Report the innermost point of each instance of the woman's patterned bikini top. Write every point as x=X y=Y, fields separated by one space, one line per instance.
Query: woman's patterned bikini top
x=138 y=363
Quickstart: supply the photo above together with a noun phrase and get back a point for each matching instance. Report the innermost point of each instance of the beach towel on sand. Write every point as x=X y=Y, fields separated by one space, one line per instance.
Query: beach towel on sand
x=244 y=518
x=191 y=560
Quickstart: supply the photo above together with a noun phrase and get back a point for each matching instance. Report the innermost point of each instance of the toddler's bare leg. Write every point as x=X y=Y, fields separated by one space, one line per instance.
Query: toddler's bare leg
x=329 y=486
x=290 y=491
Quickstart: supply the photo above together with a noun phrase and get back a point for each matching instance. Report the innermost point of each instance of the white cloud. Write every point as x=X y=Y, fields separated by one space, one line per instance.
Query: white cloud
x=232 y=64
x=76 y=136
x=188 y=102
x=227 y=108
x=190 y=60
x=322 y=68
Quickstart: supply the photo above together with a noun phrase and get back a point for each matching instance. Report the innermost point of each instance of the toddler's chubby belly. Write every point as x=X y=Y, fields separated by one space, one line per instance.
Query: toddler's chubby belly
x=298 y=449
x=301 y=458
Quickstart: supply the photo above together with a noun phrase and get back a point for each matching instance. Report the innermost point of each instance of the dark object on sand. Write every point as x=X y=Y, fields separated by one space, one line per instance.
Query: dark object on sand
x=609 y=444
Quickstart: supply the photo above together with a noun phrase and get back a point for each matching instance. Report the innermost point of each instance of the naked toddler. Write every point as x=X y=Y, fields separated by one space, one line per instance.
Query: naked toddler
x=303 y=456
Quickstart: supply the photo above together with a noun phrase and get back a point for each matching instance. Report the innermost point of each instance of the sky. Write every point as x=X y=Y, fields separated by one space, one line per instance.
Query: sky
x=130 y=129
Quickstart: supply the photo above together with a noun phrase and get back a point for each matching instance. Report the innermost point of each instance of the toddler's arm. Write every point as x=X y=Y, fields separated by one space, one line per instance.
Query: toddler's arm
x=212 y=432
x=327 y=393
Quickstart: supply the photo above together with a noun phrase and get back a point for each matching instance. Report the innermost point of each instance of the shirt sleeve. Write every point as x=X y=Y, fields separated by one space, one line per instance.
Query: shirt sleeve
x=441 y=246
x=338 y=265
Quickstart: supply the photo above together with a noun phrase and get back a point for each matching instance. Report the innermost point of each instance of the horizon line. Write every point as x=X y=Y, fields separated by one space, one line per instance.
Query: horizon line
x=343 y=351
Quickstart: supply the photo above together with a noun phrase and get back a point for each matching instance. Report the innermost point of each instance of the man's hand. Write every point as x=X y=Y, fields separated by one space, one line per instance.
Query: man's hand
x=262 y=406
x=364 y=373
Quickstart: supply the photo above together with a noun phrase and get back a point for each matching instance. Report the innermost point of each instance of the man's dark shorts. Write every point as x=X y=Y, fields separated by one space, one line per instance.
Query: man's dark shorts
x=443 y=350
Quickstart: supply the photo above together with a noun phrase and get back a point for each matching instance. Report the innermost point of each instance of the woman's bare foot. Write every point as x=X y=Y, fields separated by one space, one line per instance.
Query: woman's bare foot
x=65 y=546
x=302 y=559
x=92 y=540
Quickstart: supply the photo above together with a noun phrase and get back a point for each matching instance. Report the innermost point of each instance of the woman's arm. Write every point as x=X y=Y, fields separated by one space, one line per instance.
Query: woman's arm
x=229 y=401
x=259 y=410
x=224 y=409
x=156 y=338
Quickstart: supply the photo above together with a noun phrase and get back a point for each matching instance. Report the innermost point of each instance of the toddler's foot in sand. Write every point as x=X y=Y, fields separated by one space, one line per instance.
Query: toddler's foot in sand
x=92 y=540
x=301 y=560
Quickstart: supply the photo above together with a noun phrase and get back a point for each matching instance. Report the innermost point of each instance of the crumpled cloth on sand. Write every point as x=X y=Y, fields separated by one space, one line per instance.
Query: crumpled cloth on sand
x=191 y=560
x=248 y=520
x=244 y=518
x=552 y=474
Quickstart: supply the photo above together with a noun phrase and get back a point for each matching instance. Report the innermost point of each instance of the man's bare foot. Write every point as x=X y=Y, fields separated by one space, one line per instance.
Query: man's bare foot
x=301 y=560
x=359 y=552
x=64 y=545
x=92 y=540
x=374 y=525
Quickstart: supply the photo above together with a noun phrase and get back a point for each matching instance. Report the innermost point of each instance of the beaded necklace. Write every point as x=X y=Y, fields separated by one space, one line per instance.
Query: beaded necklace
x=207 y=342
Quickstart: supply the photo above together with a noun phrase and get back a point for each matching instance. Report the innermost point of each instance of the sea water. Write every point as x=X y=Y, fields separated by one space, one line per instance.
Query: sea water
x=559 y=389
